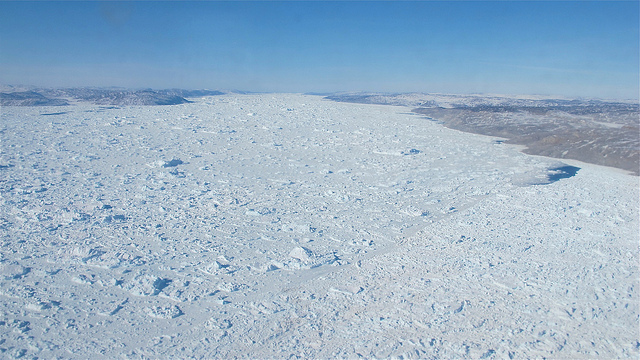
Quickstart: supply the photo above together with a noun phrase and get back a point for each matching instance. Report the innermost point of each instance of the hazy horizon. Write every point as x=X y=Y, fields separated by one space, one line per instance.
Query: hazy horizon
x=30 y=87
x=568 y=49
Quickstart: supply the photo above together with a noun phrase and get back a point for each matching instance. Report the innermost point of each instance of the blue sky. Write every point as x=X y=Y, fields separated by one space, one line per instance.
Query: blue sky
x=588 y=49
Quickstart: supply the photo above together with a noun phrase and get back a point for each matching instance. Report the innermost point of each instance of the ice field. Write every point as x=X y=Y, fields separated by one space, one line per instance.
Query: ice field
x=289 y=226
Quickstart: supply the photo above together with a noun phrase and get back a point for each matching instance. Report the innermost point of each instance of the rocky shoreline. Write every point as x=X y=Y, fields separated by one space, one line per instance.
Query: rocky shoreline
x=593 y=131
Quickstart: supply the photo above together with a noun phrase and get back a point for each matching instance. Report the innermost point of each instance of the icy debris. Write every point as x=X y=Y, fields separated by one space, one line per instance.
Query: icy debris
x=259 y=212
x=213 y=268
x=83 y=252
x=230 y=286
x=114 y=218
x=17 y=291
x=265 y=308
x=38 y=306
x=301 y=253
x=16 y=326
x=145 y=285
x=217 y=324
x=163 y=311
x=221 y=300
x=273 y=266
x=112 y=260
x=303 y=258
x=462 y=306
x=13 y=271
x=411 y=152
x=414 y=211
x=176 y=173
x=80 y=216
x=83 y=279
x=182 y=291
x=488 y=354
x=217 y=328
x=348 y=290
x=251 y=212
x=299 y=228
x=111 y=308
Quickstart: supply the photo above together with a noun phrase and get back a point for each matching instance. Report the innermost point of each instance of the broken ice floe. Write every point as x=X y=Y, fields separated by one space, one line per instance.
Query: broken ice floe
x=186 y=290
x=414 y=211
x=163 y=311
x=83 y=279
x=13 y=271
x=411 y=152
x=303 y=258
x=301 y=253
x=259 y=212
x=145 y=285
x=166 y=163
x=216 y=323
x=114 y=219
x=217 y=328
x=37 y=305
x=213 y=267
x=228 y=286
x=110 y=308
x=347 y=290
x=15 y=326
x=299 y=258
x=82 y=253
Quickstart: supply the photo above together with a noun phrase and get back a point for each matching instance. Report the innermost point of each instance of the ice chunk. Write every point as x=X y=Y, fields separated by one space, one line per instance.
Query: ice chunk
x=164 y=312
x=301 y=253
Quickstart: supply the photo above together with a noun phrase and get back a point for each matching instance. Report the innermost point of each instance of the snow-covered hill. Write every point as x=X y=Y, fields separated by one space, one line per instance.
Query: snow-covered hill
x=97 y=96
x=280 y=225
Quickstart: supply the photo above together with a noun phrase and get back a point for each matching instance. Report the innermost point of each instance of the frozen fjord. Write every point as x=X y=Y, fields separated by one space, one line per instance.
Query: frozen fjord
x=278 y=225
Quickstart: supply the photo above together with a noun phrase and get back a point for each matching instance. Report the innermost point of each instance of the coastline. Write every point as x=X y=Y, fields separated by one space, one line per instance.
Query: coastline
x=590 y=130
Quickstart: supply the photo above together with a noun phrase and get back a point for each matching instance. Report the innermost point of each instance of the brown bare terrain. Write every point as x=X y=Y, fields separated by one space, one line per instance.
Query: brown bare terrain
x=603 y=136
x=594 y=131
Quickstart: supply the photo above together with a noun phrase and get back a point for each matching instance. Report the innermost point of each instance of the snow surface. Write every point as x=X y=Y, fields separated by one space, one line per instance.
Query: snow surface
x=278 y=226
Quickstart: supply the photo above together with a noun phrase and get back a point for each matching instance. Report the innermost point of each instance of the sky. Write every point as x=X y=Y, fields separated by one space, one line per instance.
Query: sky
x=574 y=49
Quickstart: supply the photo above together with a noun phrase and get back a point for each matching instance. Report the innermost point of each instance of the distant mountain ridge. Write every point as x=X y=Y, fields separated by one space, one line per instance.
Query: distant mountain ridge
x=29 y=98
x=116 y=97
x=448 y=101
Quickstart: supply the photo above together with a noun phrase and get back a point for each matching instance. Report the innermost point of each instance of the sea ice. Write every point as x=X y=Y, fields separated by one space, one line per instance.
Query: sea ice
x=285 y=225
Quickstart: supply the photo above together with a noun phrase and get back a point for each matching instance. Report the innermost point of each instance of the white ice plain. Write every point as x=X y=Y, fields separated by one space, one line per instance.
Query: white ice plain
x=288 y=226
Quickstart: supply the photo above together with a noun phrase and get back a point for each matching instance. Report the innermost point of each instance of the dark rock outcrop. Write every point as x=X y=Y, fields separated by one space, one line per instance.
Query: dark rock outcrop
x=29 y=98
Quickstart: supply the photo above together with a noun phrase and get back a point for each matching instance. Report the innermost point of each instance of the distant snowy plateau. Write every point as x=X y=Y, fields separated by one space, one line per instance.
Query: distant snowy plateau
x=292 y=226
